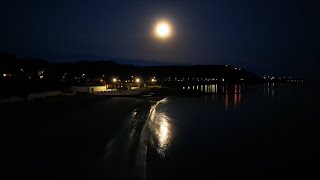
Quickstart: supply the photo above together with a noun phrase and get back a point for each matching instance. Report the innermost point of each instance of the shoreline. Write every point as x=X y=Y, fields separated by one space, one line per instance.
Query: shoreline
x=149 y=93
x=140 y=93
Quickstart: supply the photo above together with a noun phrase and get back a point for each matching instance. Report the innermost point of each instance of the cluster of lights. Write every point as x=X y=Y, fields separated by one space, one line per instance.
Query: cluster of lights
x=153 y=79
x=137 y=80
x=285 y=79
x=188 y=79
x=234 y=67
x=40 y=74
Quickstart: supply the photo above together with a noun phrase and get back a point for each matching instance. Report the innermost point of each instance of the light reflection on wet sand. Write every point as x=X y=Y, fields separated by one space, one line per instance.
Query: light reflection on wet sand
x=157 y=132
x=160 y=128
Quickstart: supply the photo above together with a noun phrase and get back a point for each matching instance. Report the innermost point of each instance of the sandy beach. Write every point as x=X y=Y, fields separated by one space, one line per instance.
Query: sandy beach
x=69 y=137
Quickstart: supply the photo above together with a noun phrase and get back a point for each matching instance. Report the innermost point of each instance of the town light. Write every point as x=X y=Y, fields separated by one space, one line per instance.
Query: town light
x=114 y=80
x=137 y=80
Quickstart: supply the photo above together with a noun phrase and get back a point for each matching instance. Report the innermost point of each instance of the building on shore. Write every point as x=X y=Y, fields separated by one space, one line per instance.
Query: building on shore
x=89 y=88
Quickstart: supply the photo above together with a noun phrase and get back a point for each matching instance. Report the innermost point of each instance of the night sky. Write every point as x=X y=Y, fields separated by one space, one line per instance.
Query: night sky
x=264 y=36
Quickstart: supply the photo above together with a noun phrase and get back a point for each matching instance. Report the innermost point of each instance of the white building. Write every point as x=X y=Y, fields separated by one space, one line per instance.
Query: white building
x=89 y=89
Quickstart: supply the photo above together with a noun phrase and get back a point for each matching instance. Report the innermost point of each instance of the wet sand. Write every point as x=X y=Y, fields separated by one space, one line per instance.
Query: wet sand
x=70 y=137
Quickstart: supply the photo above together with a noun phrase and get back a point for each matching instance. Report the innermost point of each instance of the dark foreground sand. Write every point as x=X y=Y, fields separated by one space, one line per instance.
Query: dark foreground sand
x=70 y=137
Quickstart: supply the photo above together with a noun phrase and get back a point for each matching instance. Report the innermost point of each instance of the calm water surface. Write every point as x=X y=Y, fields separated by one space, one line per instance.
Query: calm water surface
x=267 y=131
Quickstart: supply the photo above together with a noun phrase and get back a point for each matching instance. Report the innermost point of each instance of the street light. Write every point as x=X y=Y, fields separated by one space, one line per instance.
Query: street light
x=114 y=80
x=138 y=81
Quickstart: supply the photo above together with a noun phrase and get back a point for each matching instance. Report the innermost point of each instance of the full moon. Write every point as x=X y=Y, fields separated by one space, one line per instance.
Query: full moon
x=162 y=30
